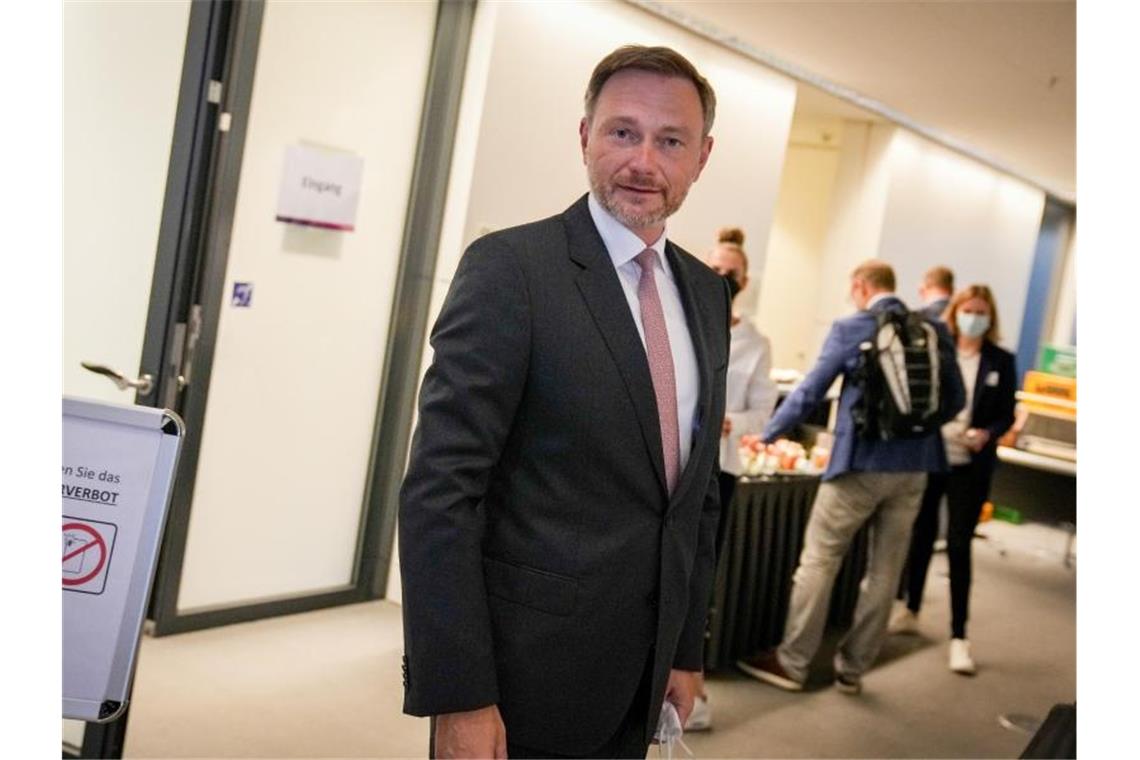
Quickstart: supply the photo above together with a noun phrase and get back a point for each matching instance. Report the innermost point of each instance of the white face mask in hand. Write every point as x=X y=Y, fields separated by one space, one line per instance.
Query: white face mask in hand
x=669 y=731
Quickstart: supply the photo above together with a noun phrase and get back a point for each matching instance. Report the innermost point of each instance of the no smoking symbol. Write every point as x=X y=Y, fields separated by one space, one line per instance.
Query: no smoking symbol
x=85 y=555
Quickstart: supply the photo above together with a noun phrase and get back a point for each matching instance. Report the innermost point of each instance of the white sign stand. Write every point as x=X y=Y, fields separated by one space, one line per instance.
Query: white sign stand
x=118 y=469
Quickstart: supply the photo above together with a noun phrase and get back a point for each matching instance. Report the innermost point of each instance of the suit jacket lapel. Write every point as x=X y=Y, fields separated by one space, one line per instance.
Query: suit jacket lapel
x=700 y=346
x=598 y=282
x=984 y=367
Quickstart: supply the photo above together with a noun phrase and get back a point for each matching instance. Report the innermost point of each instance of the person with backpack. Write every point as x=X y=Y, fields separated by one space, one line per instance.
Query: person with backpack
x=990 y=375
x=900 y=384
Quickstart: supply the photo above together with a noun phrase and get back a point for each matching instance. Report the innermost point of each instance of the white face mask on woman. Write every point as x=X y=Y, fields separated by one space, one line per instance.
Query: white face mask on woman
x=972 y=325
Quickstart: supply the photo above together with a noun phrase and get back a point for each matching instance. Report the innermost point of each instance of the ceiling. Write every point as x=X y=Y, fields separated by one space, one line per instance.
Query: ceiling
x=997 y=79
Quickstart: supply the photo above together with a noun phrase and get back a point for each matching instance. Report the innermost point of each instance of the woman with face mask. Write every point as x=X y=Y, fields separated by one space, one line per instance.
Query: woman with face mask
x=749 y=399
x=990 y=377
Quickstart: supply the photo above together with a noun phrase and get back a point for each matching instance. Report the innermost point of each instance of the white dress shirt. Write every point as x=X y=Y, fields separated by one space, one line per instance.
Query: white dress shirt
x=623 y=246
x=750 y=393
x=878 y=297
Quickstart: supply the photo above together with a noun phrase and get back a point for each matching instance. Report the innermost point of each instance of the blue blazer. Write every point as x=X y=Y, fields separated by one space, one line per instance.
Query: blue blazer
x=840 y=356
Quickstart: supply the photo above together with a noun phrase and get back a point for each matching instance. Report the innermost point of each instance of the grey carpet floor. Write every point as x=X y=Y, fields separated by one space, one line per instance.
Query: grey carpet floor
x=327 y=684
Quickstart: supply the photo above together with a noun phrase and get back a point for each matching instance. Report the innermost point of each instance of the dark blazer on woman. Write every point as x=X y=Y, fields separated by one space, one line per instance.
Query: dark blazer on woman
x=994 y=400
x=545 y=566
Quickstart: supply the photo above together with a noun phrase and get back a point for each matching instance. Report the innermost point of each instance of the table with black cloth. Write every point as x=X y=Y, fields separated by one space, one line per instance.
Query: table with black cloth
x=760 y=548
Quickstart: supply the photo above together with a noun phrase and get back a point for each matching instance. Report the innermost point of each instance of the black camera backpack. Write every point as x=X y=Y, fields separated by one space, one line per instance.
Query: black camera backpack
x=899 y=370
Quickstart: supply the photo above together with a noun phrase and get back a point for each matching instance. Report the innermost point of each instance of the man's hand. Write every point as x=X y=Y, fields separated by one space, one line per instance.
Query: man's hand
x=473 y=734
x=682 y=690
x=726 y=428
x=977 y=438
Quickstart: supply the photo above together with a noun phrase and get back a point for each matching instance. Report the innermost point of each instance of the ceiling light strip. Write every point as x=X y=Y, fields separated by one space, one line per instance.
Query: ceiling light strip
x=671 y=13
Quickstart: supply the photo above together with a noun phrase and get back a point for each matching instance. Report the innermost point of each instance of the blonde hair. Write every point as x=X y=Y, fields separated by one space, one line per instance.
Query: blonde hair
x=950 y=316
x=733 y=239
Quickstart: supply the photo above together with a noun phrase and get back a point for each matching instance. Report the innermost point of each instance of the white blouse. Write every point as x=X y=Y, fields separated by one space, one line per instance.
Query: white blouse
x=954 y=431
x=750 y=395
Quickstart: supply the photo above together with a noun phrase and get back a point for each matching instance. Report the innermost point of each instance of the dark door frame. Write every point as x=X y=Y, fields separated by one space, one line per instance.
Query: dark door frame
x=190 y=281
x=195 y=127
x=411 y=303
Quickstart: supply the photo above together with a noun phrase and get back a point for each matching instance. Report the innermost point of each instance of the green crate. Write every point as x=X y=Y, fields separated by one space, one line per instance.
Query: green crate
x=1058 y=360
x=1008 y=514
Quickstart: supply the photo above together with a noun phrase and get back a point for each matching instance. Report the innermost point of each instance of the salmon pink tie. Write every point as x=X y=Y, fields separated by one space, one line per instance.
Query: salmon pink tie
x=660 y=365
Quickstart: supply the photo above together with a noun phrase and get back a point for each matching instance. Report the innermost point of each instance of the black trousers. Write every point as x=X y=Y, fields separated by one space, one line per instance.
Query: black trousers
x=627 y=742
x=727 y=489
x=965 y=488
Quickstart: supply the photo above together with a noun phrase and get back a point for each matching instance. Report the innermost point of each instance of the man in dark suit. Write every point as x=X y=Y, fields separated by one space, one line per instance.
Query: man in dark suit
x=935 y=291
x=558 y=515
x=867 y=480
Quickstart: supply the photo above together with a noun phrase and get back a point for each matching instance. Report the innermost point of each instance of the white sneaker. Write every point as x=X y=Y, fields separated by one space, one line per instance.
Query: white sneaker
x=700 y=719
x=960 y=659
x=902 y=620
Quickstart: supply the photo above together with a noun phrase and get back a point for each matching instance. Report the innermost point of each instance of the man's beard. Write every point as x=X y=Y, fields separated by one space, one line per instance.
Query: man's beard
x=633 y=218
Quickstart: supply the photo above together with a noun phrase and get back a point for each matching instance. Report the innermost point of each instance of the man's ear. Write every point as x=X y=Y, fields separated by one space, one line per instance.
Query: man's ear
x=584 y=135
x=706 y=149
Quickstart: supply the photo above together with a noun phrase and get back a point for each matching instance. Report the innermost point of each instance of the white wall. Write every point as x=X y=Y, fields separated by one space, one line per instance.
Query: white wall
x=1066 y=313
x=857 y=207
x=459 y=184
x=945 y=209
x=528 y=164
x=296 y=377
x=789 y=282
x=122 y=65
x=900 y=198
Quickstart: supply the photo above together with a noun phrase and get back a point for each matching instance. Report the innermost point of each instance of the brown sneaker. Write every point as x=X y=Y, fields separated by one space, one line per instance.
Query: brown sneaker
x=766 y=667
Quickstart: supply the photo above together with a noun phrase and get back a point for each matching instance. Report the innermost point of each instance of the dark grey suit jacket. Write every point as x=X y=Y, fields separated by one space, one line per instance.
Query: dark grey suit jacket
x=934 y=309
x=543 y=562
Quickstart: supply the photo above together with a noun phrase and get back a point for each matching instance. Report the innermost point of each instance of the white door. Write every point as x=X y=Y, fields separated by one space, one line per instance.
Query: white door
x=122 y=67
x=294 y=380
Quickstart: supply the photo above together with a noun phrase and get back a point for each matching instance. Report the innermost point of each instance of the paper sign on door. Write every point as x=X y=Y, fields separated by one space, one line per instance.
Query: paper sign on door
x=320 y=188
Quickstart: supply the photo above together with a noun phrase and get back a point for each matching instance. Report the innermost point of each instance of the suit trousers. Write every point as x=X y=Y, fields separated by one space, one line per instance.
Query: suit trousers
x=965 y=488
x=627 y=742
x=889 y=501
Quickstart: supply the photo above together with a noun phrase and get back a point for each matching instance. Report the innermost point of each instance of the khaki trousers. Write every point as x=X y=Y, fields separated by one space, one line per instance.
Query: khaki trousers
x=889 y=501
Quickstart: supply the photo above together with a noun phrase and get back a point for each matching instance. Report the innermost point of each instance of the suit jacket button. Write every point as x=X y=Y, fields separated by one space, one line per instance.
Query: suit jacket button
x=651 y=600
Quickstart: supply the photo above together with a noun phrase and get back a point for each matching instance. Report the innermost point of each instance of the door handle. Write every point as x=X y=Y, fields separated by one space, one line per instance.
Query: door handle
x=143 y=384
